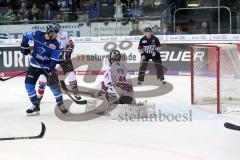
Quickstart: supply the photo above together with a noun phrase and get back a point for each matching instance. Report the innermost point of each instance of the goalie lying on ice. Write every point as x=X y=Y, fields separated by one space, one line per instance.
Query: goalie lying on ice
x=118 y=88
x=117 y=83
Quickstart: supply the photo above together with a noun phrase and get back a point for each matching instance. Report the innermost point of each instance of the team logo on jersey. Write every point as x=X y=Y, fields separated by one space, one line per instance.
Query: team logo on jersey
x=144 y=41
x=41 y=50
x=52 y=46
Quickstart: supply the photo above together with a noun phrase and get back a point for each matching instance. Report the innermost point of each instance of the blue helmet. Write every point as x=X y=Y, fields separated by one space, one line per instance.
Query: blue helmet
x=53 y=27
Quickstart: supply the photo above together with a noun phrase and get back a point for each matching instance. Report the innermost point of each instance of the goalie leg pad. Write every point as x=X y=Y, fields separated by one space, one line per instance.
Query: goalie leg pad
x=67 y=66
x=123 y=111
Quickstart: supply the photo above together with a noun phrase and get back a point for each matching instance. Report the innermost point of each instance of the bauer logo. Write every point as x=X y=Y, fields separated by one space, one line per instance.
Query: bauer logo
x=175 y=56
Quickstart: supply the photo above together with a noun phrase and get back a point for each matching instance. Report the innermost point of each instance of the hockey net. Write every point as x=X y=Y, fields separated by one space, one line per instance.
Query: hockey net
x=215 y=76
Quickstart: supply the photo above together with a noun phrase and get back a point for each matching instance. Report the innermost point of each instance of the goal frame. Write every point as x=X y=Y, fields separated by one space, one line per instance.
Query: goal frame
x=217 y=73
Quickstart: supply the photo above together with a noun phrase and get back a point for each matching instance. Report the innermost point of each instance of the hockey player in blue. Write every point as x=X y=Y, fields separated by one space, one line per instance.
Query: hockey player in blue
x=43 y=60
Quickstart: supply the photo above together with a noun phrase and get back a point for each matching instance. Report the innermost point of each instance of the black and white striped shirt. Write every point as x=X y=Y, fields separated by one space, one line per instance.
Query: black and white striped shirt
x=148 y=46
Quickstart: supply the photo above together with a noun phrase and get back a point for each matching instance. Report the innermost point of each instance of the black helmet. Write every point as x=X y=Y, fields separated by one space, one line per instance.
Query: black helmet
x=114 y=55
x=53 y=27
x=148 y=29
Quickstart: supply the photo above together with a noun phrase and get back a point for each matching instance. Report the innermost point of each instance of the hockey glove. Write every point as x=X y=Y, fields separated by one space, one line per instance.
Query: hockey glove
x=25 y=48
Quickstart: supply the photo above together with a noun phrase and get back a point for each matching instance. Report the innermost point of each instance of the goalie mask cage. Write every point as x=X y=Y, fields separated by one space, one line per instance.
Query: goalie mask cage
x=215 y=76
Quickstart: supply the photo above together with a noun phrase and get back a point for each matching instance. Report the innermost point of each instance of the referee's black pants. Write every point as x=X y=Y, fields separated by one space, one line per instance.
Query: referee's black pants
x=158 y=65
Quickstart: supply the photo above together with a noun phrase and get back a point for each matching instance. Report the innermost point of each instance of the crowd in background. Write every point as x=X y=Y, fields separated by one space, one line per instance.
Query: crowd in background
x=27 y=10
x=125 y=11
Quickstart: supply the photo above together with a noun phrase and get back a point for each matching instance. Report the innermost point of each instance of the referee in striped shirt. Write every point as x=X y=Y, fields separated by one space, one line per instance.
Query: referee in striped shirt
x=149 y=47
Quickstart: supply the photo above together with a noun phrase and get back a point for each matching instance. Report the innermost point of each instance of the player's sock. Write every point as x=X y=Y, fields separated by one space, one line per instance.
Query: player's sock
x=41 y=89
x=74 y=87
x=73 y=84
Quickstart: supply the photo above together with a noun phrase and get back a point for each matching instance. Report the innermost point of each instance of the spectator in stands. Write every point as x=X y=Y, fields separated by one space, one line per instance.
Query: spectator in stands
x=135 y=12
x=204 y=28
x=35 y=12
x=24 y=14
x=118 y=10
x=92 y=9
x=165 y=29
x=28 y=3
x=9 y=16
x=47 y=13
x=65 y=5
x=179 y=30
x=106 y=9
x=129 y=4
x=156 y=30
x=135 y=30
x=80 y=11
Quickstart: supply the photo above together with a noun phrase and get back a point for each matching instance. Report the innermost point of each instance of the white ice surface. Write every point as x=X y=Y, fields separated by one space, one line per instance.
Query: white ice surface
x=204 y=138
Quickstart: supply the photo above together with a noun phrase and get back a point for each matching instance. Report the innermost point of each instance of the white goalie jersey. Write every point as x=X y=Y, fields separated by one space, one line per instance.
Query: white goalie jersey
x=65 y=43
x=117 y=80
x=63 y=39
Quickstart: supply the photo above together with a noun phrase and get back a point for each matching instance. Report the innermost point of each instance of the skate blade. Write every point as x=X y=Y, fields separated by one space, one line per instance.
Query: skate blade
x=33 y=114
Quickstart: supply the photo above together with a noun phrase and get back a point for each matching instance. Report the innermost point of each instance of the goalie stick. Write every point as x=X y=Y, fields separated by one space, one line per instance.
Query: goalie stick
x=42 y=133
x=5 y=79
x=231 y=126
x=63 y=84
x=70 y=91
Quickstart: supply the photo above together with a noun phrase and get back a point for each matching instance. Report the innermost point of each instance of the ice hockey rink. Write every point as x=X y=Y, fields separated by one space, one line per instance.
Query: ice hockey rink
x=203 y=138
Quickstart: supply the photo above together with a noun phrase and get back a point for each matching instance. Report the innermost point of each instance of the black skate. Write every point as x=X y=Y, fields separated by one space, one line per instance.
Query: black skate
x=34 y=111
x=62 y=108
x=163 y=81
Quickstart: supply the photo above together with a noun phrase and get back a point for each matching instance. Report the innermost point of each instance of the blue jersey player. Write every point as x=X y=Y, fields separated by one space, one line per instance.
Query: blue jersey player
x=44 y=57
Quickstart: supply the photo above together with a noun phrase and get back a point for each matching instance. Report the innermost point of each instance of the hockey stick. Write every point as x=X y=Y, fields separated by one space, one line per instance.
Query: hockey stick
x=59 y=85
x=231 y=126
x=63 y=84
x=5 y=79
x=42 y=133
x=71 y=91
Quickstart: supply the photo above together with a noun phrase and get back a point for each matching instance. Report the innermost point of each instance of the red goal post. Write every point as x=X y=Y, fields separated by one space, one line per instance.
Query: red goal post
x=213 y=68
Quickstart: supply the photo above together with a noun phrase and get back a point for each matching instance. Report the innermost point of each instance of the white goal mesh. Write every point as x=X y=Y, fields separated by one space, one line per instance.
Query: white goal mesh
x=215 y=79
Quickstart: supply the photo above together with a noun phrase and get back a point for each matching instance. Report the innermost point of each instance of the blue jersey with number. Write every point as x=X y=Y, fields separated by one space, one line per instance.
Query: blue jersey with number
x=46 y=54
